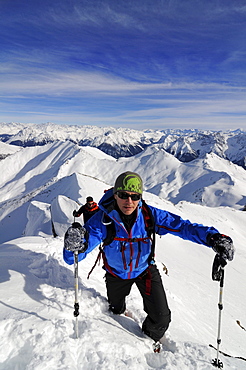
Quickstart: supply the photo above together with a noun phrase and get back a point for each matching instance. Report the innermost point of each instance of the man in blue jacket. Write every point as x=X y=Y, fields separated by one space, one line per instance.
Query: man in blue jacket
x=127 y=256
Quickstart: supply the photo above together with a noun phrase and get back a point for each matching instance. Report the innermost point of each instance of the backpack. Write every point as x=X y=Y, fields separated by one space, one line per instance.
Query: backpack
x=111 y=235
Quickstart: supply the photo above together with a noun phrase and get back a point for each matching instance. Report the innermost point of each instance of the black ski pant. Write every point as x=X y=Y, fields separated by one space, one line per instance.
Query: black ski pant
x=150 y=286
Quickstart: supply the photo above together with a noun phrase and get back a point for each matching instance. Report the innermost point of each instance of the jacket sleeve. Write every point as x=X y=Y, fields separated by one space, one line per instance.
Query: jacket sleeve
x=68 y=256
x=167 y=222
x=81 y=210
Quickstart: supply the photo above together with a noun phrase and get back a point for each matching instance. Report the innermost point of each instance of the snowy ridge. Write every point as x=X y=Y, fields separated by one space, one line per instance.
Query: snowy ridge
x=32 y=173
x=186 y=145
x=39 y=188
x=6 y=150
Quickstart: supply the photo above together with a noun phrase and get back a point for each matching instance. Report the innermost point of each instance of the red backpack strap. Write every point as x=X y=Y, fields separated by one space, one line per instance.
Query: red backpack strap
x=150 y=228
x=148 y=218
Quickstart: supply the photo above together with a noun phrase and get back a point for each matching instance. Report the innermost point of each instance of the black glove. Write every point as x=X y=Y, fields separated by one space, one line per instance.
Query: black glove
x=75 y=213
x=76 y=238
x=222 y=245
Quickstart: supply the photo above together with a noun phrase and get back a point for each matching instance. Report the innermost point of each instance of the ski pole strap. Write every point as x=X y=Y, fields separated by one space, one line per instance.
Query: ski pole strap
x=105 y=262
x=97 y=261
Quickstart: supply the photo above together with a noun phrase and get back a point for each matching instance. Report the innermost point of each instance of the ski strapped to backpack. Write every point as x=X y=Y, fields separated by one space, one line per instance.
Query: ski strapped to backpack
x=111 y=235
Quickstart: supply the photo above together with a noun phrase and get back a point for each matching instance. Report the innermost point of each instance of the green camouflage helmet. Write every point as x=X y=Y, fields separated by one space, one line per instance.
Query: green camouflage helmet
x=129 y=181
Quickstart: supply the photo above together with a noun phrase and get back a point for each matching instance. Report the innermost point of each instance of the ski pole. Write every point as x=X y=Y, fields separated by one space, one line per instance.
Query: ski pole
x=76 y=303
x=219 y=275
x=76 y=286
x=75 y=241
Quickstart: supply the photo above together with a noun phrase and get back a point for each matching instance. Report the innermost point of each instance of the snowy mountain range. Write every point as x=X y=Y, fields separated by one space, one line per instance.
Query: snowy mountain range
x=40 y=186
x=185 y=145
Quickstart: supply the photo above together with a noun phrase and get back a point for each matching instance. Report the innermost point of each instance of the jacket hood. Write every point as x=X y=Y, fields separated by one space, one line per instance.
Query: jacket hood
x=107 y=201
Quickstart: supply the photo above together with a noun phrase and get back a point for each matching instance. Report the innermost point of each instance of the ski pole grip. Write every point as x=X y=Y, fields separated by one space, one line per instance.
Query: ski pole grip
x=76 y=309
x=218 y=266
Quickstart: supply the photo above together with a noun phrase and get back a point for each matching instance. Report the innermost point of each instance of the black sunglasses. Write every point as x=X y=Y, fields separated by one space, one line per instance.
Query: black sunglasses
x=124 y=195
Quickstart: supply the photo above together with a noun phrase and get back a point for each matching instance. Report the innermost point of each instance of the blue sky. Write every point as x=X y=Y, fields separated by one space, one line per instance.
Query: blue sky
x=138 y=64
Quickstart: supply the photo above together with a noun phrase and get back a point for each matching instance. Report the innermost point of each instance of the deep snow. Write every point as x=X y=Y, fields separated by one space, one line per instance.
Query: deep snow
x=37 y=288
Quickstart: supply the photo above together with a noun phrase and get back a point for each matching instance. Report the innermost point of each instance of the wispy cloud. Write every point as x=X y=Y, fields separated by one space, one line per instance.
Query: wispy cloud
x=45 y=82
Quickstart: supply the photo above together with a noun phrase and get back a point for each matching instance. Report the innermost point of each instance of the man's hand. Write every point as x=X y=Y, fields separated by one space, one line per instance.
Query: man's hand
x=222 y=245
x=75 y=238
x=75 y=213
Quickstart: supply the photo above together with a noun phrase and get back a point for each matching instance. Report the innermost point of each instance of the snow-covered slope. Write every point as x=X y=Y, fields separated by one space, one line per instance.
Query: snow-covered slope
x=37 y=298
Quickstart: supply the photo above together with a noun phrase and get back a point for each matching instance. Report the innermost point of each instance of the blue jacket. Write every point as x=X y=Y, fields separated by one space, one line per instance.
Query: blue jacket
x=129 y=259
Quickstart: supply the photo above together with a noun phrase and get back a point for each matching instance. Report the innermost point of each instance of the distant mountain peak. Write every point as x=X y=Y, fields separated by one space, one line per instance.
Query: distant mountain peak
x=186 y=145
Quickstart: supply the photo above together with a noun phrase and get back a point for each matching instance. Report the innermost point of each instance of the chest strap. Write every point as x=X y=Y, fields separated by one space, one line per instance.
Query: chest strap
x=132 y=240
